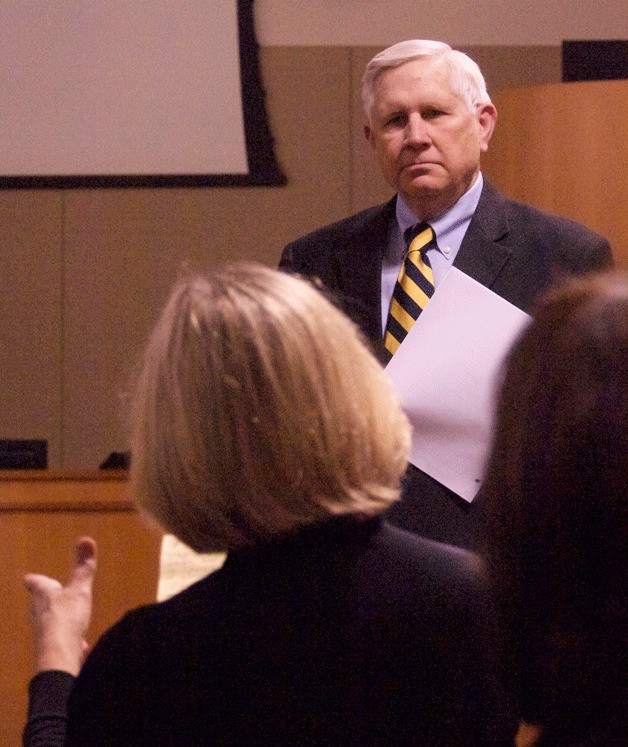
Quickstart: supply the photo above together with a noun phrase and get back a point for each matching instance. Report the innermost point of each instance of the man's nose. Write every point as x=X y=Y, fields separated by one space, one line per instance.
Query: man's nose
x=416 y=131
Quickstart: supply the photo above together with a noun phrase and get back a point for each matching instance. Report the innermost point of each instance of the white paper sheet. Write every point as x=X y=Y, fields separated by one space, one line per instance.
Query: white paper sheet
x=446 y=373
x=180 y=566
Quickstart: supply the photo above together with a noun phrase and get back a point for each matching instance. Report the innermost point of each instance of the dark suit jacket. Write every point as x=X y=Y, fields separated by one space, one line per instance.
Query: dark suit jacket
x=513 y=249
x=346 y=633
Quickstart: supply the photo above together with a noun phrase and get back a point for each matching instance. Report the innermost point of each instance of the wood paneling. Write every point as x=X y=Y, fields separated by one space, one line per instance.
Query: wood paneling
x=41 y=516
x=31 y=326
x=123 y=248
x=564 y=148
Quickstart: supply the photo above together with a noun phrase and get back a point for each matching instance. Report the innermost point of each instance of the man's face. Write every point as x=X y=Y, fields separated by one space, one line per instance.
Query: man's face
x=426 y=140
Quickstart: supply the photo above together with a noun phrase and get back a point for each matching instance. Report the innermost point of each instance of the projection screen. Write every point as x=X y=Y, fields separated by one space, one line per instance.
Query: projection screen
x=99 y=93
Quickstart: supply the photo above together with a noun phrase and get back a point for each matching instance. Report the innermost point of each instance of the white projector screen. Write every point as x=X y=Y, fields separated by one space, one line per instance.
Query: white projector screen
x=132 y=93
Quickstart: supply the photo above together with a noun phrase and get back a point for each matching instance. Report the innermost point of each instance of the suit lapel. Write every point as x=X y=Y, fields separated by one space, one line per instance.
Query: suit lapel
x=482 y=254
x=360 y=267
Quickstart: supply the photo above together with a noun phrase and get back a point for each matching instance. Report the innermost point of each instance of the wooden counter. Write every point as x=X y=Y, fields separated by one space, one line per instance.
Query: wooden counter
x=42 y=514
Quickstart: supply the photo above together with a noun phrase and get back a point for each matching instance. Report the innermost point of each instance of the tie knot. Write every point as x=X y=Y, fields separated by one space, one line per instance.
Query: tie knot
x=411 y=233
x=421 y=231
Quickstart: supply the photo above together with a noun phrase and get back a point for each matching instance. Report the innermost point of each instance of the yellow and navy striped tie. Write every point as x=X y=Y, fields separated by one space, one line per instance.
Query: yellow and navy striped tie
x=413 y=289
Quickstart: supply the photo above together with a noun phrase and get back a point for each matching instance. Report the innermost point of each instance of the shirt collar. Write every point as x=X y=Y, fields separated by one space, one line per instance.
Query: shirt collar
x=461 y=212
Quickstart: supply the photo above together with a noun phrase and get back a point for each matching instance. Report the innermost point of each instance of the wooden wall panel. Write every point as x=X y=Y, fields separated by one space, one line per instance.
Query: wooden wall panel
x=123 y=248
x=41 y=517
x=31 y=340
x=368 y=185
x=564 y=148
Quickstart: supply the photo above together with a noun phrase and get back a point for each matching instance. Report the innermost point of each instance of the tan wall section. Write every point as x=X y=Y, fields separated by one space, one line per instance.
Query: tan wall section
x=84 y=272
x=116 y=253
x=31 y=331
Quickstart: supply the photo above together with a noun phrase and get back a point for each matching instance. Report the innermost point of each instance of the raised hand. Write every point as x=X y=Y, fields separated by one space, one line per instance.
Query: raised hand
x=60 y=615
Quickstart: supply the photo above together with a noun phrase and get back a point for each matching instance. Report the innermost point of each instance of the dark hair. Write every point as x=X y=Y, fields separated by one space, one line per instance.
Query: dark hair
x=555 y=501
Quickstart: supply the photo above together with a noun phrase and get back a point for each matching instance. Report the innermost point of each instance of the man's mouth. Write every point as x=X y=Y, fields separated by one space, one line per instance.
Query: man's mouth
x=420 y=166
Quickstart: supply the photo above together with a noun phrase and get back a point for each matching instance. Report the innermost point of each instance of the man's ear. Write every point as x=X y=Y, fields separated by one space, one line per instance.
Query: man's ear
x=368 y=133
x=487 y=119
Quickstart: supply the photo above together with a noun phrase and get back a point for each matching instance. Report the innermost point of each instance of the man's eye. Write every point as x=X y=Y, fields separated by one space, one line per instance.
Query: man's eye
x=395 y=121
x=432 y=113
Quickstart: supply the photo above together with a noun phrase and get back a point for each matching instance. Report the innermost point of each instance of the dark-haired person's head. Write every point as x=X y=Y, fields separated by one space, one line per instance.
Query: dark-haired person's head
x=556 y=502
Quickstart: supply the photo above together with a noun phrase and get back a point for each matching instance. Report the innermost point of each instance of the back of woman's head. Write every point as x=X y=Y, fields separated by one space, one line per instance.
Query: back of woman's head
x=561 y=426
x=556 y=498
x=259 y=410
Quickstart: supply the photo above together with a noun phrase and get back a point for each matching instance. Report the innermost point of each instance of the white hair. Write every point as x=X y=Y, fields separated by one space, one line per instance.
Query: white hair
x=466 y=77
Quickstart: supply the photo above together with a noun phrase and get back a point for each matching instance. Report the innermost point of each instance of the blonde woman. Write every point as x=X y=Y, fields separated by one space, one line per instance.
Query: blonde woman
x=263 y=425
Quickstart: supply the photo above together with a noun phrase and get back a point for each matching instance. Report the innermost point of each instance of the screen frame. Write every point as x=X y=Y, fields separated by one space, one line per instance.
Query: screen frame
x=263 y=167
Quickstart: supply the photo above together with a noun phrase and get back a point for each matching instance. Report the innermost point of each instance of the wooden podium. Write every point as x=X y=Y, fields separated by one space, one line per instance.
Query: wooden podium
x=564 y=148
x=41 y=515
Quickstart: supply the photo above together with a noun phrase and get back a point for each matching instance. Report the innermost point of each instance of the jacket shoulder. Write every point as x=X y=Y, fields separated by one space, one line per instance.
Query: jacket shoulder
x=369 y=219
x=537 y=220
x=525 y=228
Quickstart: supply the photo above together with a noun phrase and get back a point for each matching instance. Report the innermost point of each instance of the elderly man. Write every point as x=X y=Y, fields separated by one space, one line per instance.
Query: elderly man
x=429 y=118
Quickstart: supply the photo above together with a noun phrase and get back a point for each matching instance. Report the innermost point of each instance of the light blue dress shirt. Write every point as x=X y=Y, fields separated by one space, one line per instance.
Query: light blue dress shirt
x=449 y=229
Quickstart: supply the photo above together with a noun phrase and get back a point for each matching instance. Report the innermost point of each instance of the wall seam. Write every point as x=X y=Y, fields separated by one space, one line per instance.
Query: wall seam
x=62 y=330
x=351 y=149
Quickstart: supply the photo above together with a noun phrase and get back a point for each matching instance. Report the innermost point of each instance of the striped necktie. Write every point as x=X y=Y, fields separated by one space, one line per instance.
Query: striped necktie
x=413 y=289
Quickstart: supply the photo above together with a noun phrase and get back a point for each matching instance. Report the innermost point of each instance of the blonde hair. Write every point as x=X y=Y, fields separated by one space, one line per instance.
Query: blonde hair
x=466 y=77
x=259 y=410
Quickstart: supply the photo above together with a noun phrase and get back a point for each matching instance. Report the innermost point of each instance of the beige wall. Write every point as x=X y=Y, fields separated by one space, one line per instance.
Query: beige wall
x=84 y=272
x=361 y=23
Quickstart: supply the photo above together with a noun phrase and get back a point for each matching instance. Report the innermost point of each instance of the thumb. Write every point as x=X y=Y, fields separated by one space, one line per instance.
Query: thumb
x=40 y=585
x=84 y=569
